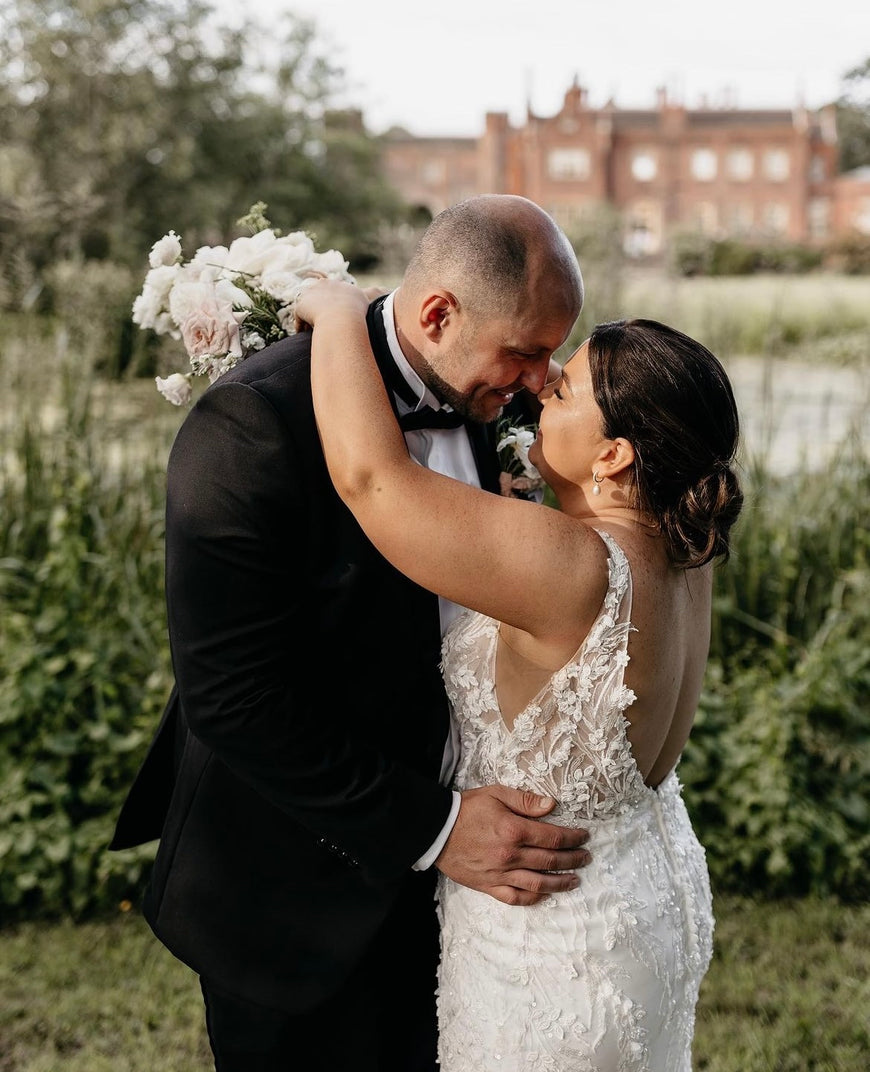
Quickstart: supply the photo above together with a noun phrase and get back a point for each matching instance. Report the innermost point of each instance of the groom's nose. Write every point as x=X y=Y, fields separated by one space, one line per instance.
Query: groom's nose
x=534 y=375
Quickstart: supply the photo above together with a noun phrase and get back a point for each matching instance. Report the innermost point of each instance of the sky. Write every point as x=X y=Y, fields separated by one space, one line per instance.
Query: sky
x=436 y=68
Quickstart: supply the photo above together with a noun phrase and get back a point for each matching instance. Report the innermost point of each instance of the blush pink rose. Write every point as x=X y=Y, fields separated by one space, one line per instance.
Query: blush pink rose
x=211 y=329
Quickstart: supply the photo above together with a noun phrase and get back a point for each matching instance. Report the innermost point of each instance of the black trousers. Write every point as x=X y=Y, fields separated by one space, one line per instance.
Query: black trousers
x=382 y=1020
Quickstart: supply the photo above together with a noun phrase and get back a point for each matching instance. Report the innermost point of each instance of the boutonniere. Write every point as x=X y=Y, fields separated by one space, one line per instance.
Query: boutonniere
x=518 y=475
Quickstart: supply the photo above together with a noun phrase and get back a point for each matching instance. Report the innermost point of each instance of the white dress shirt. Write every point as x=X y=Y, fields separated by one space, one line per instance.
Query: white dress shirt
x=447 y=451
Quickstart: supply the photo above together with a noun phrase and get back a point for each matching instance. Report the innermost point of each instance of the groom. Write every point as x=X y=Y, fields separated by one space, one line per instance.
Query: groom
x=298 y=780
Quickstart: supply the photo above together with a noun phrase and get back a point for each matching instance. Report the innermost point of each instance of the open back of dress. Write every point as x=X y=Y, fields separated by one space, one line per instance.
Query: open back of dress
x=604 y=978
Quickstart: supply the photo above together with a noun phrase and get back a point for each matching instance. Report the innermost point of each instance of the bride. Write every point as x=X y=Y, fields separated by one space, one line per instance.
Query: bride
x=575 y=672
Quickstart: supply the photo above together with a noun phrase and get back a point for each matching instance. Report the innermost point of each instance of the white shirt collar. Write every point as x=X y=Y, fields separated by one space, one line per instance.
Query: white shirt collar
x=424 y=395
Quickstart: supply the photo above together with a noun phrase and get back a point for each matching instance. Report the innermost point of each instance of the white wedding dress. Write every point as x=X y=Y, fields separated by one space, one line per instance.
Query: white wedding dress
x=604 y=978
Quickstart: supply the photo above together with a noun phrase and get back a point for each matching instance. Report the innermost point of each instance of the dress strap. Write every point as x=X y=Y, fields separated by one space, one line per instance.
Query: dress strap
x=619 y=592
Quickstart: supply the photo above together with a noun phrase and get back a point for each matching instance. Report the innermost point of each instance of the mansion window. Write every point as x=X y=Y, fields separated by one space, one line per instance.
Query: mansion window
x=776 y=165
x=705 y=217
x=433 y=172
x=568 y=164
x=644 y=166
x=568 y=217
x=775 y=217
x=739 y=218
x=817 y=169
x=740 y=165
x=643 y=230
x=703 y=165
x=861 y=218
x=819 y=217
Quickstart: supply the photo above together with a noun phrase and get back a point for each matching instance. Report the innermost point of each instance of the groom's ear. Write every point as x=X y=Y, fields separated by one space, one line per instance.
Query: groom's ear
x=437 y=313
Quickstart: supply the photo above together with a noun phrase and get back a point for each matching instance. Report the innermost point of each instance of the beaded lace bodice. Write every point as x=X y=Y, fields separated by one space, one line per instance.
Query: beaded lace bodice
x=604 y=978
x=570 y=741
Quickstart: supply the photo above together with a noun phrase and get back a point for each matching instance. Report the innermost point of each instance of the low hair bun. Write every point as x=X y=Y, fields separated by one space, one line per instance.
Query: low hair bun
x=697 y=528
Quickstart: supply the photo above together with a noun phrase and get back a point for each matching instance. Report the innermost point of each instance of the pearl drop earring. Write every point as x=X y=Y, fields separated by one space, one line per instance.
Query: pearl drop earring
x=598 y=481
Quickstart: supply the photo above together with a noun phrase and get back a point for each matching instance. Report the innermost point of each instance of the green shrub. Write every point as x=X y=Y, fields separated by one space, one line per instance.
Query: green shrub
x=789 y=258
x=730 y=257
x=690 y=253
x=850 y=254
x=83 y=656
x=693 y=253
x=777 y=768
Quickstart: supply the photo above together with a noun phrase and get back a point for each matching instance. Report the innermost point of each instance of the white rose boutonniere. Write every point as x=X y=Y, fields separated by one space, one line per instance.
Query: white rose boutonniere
x=518 y=474
x=227 y=302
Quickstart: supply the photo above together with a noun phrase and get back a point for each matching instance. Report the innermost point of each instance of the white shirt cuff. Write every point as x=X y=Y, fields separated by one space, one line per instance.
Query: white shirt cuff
x=429 y=858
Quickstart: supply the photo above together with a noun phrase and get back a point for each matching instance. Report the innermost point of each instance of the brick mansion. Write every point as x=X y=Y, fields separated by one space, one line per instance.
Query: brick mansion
x=765 y=175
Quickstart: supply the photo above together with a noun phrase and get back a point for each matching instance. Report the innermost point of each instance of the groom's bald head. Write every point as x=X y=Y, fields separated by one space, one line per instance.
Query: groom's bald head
x=493 y=253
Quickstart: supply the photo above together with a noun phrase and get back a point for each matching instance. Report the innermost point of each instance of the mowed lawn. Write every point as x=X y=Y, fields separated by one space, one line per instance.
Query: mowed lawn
x=788 y=991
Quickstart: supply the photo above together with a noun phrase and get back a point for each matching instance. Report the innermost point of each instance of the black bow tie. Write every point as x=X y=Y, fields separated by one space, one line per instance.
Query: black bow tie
x=426 y=417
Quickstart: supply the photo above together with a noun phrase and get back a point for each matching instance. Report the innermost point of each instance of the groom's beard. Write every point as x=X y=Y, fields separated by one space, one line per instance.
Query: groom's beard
x=471 y=407
x=448 y=395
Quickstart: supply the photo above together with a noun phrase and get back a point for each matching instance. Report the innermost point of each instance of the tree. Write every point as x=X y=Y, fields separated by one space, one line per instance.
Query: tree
x=121 y=119
x=853 y=118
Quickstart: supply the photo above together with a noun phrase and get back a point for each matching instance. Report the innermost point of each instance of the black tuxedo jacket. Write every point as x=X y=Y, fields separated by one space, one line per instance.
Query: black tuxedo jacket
x=294 y=778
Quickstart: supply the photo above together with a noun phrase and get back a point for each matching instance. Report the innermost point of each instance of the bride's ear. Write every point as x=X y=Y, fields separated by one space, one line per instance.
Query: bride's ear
x=617 y=458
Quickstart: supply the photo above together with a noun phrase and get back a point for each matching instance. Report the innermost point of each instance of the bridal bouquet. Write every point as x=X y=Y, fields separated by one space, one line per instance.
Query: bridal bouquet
x=226 y=302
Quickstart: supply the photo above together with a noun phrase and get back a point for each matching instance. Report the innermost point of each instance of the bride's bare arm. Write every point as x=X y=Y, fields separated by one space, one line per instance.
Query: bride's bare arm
x=516 y=561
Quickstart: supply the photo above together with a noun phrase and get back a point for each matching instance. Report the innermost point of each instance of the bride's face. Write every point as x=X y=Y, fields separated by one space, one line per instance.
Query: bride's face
x=570 y=434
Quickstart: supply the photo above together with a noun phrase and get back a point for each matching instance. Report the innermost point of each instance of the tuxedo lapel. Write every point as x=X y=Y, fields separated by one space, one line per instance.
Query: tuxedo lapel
x=395 y=381
x=482 y=439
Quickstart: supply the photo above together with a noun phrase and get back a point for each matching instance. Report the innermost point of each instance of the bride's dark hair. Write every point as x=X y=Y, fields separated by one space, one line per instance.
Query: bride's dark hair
x=671 y=399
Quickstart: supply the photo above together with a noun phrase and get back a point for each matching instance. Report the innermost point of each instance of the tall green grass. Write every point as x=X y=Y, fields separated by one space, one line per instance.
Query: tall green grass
x=775 y=772
x=84 y=665
x=821 y=317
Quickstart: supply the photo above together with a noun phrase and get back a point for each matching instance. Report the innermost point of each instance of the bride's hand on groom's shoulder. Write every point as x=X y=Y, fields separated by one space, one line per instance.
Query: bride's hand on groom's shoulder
x=332 y=297
x=500 y=846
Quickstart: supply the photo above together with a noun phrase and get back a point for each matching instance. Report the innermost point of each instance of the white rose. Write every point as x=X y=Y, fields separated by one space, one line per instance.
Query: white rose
x=227 y=292
x=332 y=264
x=204 y=313
x=283 y=286
x=166 y=251
x=250 y=253
x=207 y=261
x=175 y=388
x=162 y=279
x=151 y=307
x=292 y=253
x=146 y=308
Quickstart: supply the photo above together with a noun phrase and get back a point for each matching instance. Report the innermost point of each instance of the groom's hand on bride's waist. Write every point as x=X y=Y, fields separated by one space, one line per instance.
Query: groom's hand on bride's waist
x=499 y=846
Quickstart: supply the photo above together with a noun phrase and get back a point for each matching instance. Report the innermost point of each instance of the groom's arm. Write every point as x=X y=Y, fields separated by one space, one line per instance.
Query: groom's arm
x=237 y=534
